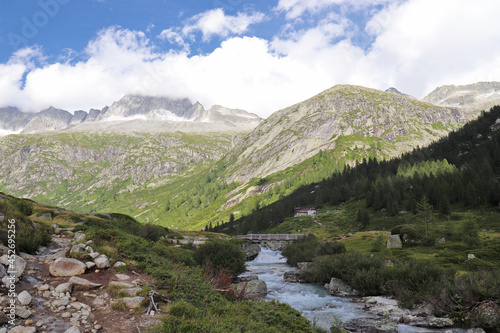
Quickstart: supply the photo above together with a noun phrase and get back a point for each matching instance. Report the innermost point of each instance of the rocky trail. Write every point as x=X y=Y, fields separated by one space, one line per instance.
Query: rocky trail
x=56 y=293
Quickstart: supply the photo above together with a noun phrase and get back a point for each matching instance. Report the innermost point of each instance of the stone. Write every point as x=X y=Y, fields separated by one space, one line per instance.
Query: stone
x=470 y=256
x=64 y=288
x=337 y=287
x=131 y=291
x=119 y=264
x=22 y=329
x=57 y=255
x=251 y=288
x=94 y=255
x=304 y=265
x=79 y=237
x=293 y=276
x=102 y=261
x=432 y=322
x=67 y=267
x=3 y=272
x=46 y=216
x=44 y=287
x=66 y=315
x=90 y=264
x=251 y=250
x=424 y=310
x=247 y=278
x=72 y=329
x=372 y=325
x=83 y=284
x=3 y=318
x=475 y=330
x=120 y=284
x=21 y=312
x=60 y=302
x=382 y=306
x=131 y=302
x=27 y=256
x=122 y=277
x=394 y=242
x=7 y=281
x=18 y=266
x=24 y=298
x=441 y=240
x=77 y=248
x=486 y=315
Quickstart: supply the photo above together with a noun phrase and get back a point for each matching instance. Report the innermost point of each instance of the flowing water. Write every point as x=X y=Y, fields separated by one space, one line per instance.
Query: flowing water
x=312 y=300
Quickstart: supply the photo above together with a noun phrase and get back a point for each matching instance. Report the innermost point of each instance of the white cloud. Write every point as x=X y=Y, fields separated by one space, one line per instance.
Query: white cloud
x=296 y=8
x=211 y=23
x=417 y=46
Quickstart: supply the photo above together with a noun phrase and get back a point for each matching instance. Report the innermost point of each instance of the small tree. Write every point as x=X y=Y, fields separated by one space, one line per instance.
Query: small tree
x=425 y=215
x=221 y=254
x=470 y=233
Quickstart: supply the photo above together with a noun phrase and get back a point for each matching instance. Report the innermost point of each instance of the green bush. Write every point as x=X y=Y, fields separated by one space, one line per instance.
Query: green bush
x=309 y=247
x=222 y=254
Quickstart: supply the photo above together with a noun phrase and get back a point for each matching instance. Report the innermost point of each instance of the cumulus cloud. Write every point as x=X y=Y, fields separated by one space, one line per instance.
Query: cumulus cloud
x=211 y=23
x=296 y=8
x=417 y=45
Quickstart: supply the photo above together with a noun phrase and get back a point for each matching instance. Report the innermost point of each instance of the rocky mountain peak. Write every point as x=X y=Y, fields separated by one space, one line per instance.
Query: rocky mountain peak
x=480 y=95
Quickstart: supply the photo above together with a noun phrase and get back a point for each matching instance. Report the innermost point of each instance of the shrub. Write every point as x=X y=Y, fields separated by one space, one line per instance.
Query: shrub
x=222 y=254
x=309 y=247
x=24 y=207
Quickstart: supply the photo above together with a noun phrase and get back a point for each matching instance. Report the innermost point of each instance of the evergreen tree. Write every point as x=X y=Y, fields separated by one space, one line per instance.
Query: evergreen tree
x=425 y=215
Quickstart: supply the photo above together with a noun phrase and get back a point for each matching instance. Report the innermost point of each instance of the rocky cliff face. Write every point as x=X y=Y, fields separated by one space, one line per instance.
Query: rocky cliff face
x=296 y=133
x=479 y=96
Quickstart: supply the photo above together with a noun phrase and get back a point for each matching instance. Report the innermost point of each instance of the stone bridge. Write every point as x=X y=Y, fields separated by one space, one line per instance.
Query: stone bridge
x=259 y=238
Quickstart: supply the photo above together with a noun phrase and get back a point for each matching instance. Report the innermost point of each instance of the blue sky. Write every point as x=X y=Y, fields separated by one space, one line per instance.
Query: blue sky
x=256 y=55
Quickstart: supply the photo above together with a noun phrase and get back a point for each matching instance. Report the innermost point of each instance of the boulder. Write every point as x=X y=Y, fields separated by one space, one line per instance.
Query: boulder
x=121 y=284
x=304 y=265
x=21 y=312
x=3 y=272
x=132 y=292
x=22 y=329
x=247 y=278
x=119 y=264
x=486 y=315
x=90 y=264
x=382 y=306
x=77 y=248
x=46 y=216
x=371 y=325
x=24 y=298
x=253 y=287
x=67 y=267
x=122 y=277
x=79 y=237
x=470 y=256
x=64 y=288
x=131 y=302
x=293 y=276
x=17 y=268
x=72 y=329
x=432 y=322
x=102 y=261
x=394 y=242
x=251 y=250
x=337 y=287
x=83 y=284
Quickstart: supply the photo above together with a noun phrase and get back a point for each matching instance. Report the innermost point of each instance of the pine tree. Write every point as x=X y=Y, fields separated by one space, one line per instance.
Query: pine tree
x=424 y=210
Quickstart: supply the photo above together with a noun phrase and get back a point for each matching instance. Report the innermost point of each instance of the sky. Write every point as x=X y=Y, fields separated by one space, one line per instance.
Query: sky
x=259 y=56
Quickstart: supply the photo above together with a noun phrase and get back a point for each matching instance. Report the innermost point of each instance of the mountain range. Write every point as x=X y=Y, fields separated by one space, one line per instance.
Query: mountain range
x=144 y=156
x=131 y=113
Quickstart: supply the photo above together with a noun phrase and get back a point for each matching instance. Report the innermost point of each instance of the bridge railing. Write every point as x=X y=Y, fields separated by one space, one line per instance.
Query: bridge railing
x=270 y=237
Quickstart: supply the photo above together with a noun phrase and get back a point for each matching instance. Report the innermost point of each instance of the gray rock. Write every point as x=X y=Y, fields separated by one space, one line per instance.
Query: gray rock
x=21 y=312
x=120 y=284
x=251 y=288
x=46 y=216
x=3 y=318
x=247 y=278
x=3 y=272
x=122 y=277
x=102 y=261
x=64 y=288
x=475 y=330
x=470 y=256
x=432 y=322
x=304 y=265
x=382 y=306
x=119 y=264
x=60 y=302
x=337 y=287
x=22 y=329
x=24 y=298
x=67 y=267
x=7 y=281
x=394 y=242
x=131 y=291
x=486 y=315
x=83 y=284
x=131 y=302
x=77 y=248
x=425 y=310
x=72 y=329
x=90 y=264
x=94 y=255
x=251 y=250
x=441 y=240
x=293 y=276
x=372 y=325
x=79 y=237
x=17 y=269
